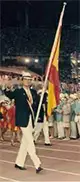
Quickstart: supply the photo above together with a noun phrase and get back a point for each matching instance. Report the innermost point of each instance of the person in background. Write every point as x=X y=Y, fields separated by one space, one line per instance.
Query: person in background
x=66 y=109
x=73 y=127
x=15 y=131
x=51 y=127
x=3 y=121
x=77 y=112
x=59 y=119
x=42 y=123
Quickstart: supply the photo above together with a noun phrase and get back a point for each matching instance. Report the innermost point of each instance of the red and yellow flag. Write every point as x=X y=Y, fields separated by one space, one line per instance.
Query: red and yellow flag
x=53 y=83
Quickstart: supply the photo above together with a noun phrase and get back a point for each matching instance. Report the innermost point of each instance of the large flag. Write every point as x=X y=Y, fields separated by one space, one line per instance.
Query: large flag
x=52 y=73
x=53 y=77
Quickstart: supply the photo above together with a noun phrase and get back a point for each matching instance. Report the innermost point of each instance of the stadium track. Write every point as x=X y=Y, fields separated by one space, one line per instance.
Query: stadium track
x=61 y=162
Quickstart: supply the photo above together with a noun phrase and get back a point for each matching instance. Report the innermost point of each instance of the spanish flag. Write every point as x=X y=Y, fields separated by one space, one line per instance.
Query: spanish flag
x=53 y=76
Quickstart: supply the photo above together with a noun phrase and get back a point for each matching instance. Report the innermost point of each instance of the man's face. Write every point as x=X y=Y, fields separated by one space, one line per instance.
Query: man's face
x=26 y=82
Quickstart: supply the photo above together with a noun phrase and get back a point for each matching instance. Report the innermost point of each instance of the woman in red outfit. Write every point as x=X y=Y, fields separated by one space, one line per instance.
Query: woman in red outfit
x=11 y=123
x=3 y=121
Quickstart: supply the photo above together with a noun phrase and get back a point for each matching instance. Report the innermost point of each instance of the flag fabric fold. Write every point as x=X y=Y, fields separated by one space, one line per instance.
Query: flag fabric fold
x=53 y=77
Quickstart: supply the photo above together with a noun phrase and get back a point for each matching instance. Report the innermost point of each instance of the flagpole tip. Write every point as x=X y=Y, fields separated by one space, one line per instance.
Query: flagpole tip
x=64 y=3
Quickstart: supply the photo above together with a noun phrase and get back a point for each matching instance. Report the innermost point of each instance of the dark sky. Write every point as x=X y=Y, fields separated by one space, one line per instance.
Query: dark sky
x=41 y=13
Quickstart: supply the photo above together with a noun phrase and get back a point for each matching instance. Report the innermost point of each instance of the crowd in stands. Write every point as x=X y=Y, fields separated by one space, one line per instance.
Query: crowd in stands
x=23 y=41
x=20 y=41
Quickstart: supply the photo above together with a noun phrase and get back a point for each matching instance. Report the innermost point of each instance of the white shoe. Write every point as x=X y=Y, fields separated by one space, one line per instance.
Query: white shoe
x=60 y=138
x=66 y=139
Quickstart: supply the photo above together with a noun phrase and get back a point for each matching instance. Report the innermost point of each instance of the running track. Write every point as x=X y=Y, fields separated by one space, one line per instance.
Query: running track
x=61 y=162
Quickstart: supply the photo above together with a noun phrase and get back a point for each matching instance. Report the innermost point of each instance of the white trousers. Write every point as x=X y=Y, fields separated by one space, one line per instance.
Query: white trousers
x=55 y=129
x=60 y=129
x=77 y=120
x=73 y=133
x=27 y=147
x=42 y=126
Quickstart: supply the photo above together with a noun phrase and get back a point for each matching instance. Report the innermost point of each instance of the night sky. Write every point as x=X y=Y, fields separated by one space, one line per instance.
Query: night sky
x=41 y=14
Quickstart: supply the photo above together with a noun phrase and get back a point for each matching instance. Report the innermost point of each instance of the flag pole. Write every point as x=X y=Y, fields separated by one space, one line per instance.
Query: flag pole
x=50 y=61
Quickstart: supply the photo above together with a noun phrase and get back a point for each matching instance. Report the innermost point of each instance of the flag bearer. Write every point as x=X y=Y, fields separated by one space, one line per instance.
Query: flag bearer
x=23 y=119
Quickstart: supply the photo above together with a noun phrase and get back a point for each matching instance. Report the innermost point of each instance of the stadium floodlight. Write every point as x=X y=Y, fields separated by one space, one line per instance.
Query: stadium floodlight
x=36 y=60
x=27 y=60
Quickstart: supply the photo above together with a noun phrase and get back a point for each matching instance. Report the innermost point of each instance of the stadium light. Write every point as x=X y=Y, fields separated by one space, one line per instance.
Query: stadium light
x=27 y=60
x=36 y=60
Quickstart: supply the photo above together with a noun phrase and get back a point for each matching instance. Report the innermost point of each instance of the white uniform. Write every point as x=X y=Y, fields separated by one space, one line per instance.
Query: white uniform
x=77 y=115
x=39 y=127
x=27 y=146
x=43 y=125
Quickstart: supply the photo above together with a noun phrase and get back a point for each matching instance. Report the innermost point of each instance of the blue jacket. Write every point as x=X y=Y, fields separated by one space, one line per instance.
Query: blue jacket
x=23 y=110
